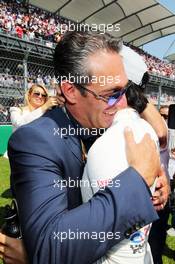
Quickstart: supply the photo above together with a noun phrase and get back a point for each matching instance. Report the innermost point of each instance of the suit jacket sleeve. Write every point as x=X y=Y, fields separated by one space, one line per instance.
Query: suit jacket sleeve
x=52 y=233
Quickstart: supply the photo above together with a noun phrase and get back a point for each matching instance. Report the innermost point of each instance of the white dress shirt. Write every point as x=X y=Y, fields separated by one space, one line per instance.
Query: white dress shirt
x=22 y=116
x=106 y=159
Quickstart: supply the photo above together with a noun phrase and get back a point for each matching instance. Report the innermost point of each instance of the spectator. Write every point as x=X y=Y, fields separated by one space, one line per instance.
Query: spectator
x=164 y=112
x=19 y=31
x=157 y=237
x=37 y=102
x=35 y=24
x=3 y=116
x=171 y=125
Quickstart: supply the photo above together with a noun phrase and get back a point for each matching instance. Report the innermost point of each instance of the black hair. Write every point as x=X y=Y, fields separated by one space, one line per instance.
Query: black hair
x=145 y=80
x=136 y=98
x=73 y=50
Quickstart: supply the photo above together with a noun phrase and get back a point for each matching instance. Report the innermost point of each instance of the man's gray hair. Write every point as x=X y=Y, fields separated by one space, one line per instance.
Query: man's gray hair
x=72 y=53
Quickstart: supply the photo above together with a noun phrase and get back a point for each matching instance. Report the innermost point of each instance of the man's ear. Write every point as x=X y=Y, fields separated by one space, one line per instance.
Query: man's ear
x=70 y=92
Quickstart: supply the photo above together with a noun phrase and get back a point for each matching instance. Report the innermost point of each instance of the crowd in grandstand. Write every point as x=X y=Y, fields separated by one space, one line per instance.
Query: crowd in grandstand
x=155 y=65
x=165 y=99
x=7 y=80
x=33 y=24
x=30 y=23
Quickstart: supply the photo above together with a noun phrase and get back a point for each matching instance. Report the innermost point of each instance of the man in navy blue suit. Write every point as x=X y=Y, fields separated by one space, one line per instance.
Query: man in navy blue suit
x=47 y=159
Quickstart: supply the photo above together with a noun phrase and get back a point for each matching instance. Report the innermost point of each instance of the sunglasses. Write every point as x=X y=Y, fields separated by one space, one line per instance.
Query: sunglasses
x=113 y=98
x=37 y=94
x=164 y=116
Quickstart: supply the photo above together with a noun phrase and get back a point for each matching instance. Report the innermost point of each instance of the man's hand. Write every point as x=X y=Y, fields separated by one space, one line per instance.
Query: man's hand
x=143 y=157
x=12 y=250
x=162 y=191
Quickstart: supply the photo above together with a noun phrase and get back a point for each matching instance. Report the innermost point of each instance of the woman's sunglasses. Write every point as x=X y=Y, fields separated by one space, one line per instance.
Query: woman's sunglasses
x=164 y=116
x=37 y=94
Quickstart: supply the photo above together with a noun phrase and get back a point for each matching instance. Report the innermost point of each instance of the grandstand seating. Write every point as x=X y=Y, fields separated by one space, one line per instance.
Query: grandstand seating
x=32 y=23
x=33 y=26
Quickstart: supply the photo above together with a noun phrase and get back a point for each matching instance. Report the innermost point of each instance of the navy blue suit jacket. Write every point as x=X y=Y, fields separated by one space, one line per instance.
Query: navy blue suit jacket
x=41 y=162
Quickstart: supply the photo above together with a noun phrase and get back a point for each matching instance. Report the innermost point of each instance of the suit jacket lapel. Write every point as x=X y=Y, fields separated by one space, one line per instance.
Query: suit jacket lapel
x=71 y=139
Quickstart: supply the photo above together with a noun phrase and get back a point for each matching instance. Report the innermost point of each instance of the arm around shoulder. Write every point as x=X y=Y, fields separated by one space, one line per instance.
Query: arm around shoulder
x=60 y=235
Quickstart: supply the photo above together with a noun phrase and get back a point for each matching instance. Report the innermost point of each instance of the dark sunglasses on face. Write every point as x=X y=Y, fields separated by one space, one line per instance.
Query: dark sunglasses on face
x=37 y=94
x=113 y=98
x=164 y=116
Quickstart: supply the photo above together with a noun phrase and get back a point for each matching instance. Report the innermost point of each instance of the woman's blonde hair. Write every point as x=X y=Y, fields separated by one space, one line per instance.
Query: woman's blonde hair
x=30 y=90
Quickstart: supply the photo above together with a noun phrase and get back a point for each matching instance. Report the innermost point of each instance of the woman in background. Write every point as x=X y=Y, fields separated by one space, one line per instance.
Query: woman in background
x=37 y=102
